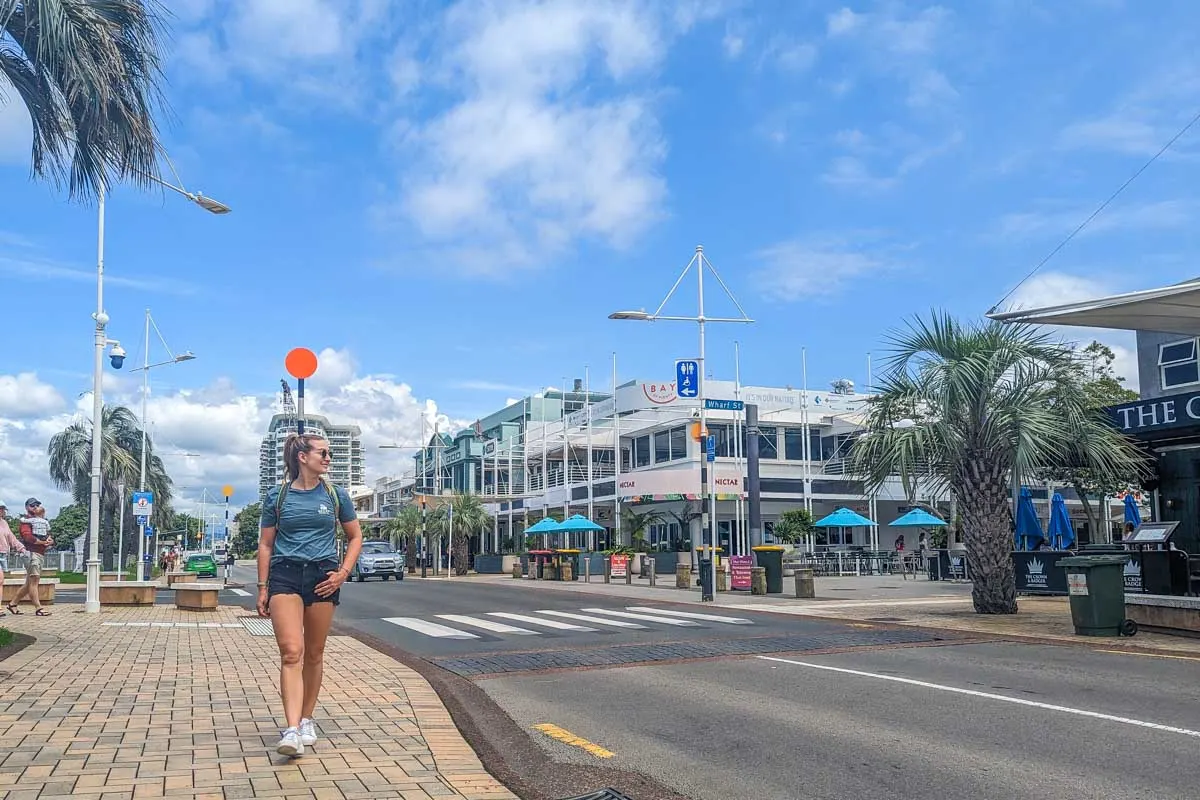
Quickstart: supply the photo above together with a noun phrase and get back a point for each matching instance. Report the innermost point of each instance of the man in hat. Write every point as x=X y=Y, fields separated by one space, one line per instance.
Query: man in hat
x=35 y=533
x=8 y=543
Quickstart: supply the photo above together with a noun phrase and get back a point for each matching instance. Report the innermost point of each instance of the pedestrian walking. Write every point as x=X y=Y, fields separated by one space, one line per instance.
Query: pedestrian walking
x=35 y=535
x=8 y=544
x=299 y=578
x=229 y=561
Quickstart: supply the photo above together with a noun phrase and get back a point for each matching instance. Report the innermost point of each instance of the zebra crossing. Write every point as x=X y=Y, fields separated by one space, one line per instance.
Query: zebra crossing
x=536 y=623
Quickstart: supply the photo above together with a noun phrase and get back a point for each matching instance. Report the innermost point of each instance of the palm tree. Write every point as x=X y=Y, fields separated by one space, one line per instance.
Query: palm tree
x=70 y=456
x=88 y=73
x=636 y=522
x=458 y=516
x=967 y=405
x=683 y=517
x=406 y=526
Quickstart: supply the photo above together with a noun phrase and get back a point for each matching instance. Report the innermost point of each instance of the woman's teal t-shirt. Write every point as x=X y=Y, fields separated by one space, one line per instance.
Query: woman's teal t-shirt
x=304 y=528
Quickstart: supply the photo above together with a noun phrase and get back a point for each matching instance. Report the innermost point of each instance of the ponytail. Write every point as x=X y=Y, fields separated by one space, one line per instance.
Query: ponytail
x=293 y=446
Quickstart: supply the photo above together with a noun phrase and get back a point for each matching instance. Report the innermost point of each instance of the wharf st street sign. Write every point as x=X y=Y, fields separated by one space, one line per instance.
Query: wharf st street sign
x=1147 y=418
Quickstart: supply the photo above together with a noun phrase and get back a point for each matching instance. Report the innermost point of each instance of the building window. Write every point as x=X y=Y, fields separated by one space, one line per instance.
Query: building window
x=678 y=443
x=793 y=444
x=724 y=436
x=641 y=451
x=1178 y=364
x=768 y=444
x=625 y=467
x=662 y=447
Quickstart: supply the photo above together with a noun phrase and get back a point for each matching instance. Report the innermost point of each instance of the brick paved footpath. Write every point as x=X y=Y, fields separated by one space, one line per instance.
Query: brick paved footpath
x=123 y=713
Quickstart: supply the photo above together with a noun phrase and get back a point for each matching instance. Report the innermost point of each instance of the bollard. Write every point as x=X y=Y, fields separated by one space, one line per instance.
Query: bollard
x=683 y=576
x=607 y=569
x=758 y=580
x=629 y=574
x=653 y=576
x=565 y=573
x=722 y=580
x=587 y=570
x=804 y=582
x=516 y=570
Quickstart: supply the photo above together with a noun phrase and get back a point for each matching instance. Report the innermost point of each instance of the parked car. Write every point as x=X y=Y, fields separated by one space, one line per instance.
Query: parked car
x=378 y=560
x=202 y=564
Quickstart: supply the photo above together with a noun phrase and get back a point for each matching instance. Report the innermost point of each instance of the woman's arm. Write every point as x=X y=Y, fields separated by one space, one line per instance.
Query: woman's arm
x=266 y=545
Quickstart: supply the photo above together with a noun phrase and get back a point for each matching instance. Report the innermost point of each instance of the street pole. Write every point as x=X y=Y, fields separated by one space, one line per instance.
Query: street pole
x=708 y=501
x=91 y=603
x=140 y=573
x=121 y=530
x=424 y=539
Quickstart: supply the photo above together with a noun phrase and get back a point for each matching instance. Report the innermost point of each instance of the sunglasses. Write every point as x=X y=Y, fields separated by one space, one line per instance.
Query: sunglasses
x=323 y=453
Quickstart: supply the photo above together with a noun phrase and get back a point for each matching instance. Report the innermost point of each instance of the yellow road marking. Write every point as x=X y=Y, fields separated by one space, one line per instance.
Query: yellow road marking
x=566 y=737
x=1150 y=655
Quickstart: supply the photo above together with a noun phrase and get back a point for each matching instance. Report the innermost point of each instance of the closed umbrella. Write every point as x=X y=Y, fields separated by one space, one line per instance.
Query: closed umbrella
x=1132 y=512
x=1029 y=527
x=1061 y=532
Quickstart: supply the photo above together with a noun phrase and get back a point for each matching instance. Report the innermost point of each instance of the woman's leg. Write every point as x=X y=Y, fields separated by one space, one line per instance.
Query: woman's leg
x=287 y=618
x=317 y=619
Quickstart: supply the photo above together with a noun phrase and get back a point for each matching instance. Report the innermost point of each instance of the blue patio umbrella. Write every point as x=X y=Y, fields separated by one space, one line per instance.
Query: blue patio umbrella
x=1029 y=527
x=917 y=518
x=843 y=518
x=547 y=525
x=577 y=523
x=1132 y=512
x=1061 y=532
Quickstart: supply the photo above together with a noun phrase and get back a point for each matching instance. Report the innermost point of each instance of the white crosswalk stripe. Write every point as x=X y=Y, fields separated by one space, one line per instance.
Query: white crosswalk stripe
x=613 y=623
x=548 y=623
x=683 y=623
x=488 y=625
x=690 y=615
x=584 y=620
x=240 y=592
x=430 y=628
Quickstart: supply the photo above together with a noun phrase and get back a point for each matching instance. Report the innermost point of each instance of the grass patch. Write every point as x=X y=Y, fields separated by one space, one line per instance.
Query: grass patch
x=69 y=577
x=6 y=637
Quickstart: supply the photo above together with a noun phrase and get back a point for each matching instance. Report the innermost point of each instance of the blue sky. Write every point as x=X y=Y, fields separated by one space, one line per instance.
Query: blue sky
x=452 y=197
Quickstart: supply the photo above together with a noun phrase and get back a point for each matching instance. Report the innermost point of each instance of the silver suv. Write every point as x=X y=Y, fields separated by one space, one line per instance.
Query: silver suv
x=379 y=560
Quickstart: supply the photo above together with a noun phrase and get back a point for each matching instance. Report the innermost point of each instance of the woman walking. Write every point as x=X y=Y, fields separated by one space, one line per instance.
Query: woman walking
x=299 y=578
x=8 y=543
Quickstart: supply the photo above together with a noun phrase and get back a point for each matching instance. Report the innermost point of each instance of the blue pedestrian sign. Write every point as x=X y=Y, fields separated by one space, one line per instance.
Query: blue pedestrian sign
x=724 y=405
x=687 y=378
x=710 y=447
x=143 y=504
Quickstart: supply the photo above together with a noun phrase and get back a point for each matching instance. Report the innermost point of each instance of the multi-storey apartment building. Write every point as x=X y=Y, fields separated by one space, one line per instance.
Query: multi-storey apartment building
x=345 y=442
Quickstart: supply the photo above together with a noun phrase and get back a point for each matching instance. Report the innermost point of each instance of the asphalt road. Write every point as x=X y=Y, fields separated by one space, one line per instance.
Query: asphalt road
x=781 y=707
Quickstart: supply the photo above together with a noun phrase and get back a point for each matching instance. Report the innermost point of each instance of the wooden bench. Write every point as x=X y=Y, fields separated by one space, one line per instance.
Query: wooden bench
x=180 y=577
x=196 y=596
x=106 y=577
x=46 y=588
x=128 y=593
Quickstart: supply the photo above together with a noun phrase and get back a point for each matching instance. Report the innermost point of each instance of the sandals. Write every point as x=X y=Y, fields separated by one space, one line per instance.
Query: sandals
x=41 y=612
x=12 y=609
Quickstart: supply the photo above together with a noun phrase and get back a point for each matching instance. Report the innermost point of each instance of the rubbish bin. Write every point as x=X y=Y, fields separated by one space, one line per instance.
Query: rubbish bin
x=770 y=557
x=1096 y=586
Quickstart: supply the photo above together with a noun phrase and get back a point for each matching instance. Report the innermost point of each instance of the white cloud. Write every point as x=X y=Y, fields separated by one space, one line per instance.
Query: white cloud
x=908 y=154
x=209 y=436
x=1057 y=288
x=550 y=138
x=286 y=29
x=23 y=396
x=802 y=268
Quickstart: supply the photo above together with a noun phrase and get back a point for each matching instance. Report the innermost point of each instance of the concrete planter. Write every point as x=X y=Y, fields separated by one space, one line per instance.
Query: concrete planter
x=46 y=588
x=127 y=593
x=490 y=564
x=197 y=596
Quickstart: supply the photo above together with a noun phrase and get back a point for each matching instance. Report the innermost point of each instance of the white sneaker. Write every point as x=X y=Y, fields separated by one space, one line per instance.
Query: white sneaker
x=290 y=744
x=308 y=732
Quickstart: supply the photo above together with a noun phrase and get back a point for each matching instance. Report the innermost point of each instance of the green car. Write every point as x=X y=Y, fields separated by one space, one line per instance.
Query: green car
x=202 y=564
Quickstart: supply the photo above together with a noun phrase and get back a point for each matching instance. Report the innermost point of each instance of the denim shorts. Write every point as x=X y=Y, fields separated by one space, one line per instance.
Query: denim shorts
x=289 y=576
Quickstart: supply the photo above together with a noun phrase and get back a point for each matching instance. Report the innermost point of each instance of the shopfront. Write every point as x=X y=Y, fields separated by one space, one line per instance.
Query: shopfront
x=1169 y=428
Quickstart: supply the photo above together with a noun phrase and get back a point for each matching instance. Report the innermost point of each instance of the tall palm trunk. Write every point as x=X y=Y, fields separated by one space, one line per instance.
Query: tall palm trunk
x=410 y=554
x=461 y=555
x=984 y=502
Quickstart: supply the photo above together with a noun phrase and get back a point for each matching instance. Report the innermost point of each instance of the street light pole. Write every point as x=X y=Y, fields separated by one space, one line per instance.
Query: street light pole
x=708 y=513
x=92 y=597
x=91 y=603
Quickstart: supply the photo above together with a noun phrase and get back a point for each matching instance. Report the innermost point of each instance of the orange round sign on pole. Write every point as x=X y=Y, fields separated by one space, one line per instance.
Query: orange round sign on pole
x=227 y=490
x=301 y=363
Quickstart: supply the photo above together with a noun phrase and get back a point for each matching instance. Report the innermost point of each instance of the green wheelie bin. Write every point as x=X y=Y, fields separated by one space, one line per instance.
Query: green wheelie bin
x=770 y=558
x=1096 y=587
